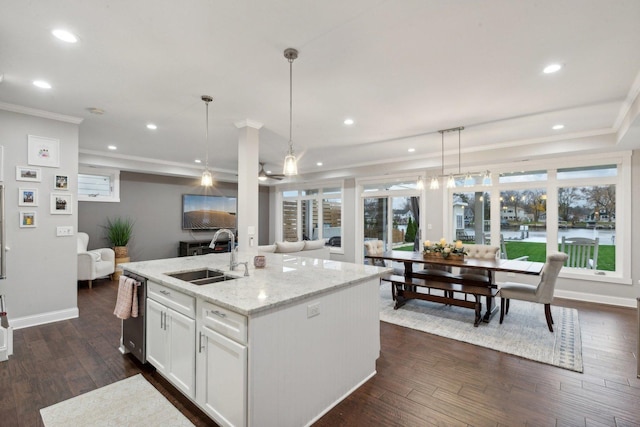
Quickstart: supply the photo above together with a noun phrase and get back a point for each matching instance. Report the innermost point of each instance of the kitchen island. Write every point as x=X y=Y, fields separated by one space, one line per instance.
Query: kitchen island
x=277 y=348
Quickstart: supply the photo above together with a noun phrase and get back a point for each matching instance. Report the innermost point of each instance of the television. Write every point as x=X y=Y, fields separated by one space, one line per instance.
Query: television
x=203 y=212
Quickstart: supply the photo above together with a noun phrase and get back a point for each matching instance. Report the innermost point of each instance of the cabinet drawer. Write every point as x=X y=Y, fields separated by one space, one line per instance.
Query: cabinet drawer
x=180 y=302
x=226 y=322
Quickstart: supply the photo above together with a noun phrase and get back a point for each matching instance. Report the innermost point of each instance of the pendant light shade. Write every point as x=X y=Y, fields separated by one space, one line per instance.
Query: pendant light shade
x=420 y=183
x=207 y=178
x=290 y=161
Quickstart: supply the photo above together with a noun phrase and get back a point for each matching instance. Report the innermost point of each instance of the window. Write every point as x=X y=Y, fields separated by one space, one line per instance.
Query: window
x=540 y=207
x=313 y=214
x=99 y=185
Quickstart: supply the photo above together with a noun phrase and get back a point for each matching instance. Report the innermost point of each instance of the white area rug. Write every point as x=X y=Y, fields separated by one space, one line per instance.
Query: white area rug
x=523 y=333
x=130 y=402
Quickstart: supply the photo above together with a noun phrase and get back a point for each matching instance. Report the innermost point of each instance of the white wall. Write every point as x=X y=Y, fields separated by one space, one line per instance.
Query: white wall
x=41 y=268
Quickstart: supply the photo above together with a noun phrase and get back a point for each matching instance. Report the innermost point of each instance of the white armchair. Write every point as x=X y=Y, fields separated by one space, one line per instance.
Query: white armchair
x=94 y=263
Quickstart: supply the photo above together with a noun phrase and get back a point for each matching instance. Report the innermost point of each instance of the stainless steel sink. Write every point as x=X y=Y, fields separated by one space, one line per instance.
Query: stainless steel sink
x=203 y=276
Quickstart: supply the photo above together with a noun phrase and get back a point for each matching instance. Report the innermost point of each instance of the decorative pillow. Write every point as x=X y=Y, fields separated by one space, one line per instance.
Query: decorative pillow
x=313 y=244
x=287 y=247
x=267 y=248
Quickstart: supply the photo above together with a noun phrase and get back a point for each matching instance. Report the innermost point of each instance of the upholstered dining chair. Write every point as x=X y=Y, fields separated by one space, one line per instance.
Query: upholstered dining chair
x=542 y=293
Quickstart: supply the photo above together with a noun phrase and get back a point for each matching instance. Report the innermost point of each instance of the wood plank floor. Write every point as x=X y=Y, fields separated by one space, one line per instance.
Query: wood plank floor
x=422 y=379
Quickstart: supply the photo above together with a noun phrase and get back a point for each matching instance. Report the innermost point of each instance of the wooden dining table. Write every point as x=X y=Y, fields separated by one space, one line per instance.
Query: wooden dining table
x=486 y=267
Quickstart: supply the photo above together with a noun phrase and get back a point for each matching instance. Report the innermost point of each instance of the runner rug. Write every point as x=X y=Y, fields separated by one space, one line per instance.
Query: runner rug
x=523 y=333
x=130 y=402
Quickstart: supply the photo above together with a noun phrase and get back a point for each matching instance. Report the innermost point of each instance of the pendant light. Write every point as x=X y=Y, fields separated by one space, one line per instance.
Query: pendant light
x=207 y=178
x=290 y=162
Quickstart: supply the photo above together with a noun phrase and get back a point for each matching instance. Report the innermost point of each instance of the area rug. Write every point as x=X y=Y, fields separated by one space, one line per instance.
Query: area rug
x=523 y=333
x=130 y=402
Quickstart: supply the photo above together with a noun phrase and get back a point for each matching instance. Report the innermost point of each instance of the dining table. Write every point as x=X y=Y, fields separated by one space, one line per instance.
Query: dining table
x=484 y=267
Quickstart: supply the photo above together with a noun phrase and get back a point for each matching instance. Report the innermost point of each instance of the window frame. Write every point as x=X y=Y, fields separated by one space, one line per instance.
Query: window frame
x=114 y=182
x=622 y=181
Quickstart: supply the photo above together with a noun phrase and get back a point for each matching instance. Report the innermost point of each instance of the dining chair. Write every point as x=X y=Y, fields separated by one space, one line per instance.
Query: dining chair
x=582 y=251
x=542 y=293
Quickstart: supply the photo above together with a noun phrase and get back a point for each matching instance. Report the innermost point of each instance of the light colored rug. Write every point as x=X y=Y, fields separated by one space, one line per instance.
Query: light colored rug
x=130 y=402
x=523 y=333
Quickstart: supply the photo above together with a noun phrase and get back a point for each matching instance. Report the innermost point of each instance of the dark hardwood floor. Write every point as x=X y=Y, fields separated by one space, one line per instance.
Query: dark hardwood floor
x=422 y=379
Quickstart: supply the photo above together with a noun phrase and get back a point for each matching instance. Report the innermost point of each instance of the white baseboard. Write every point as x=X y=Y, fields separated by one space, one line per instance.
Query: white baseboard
x=43 y=318
x=596 y=298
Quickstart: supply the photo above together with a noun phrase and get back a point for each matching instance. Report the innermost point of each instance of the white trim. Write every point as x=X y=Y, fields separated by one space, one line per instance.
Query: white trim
x=44 y=318
x=595 y=298
x=248 y=123
x=40 y=113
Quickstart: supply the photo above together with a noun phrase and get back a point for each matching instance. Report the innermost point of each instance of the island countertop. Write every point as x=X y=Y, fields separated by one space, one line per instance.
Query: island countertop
x=285 y=279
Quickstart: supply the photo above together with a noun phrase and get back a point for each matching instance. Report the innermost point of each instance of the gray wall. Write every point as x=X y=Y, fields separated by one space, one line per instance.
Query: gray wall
x=154 y=203
x=41 y=268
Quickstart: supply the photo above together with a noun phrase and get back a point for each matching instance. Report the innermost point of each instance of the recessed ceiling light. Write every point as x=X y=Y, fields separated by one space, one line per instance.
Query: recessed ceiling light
x=348 y=122
x=319 y=164
x=65 y=36
x=411 y=150
x=152 y=126
x=552 y=68
x=42 y=84
x=198 y=161
x=267 y=172
x=558 y=127
x=112 y=147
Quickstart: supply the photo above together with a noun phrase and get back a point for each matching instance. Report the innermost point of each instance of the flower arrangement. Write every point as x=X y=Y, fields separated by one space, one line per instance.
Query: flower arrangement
x=443 y=248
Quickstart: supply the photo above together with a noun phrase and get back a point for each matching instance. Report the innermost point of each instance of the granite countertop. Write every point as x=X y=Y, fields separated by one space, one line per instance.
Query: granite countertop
x=285 y=279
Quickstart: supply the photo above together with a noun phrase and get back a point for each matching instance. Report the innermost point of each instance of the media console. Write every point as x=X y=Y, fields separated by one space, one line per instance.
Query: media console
x=201 y=247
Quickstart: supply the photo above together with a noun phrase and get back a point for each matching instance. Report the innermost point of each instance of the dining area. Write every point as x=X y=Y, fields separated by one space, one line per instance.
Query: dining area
x=452 y=274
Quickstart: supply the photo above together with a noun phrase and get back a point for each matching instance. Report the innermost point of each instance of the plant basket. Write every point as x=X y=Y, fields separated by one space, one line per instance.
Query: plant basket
x=121 y=251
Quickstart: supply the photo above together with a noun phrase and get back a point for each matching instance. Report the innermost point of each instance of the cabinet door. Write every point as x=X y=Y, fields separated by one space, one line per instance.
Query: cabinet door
x=222 y=368
x=157 y=353
x=182 y=352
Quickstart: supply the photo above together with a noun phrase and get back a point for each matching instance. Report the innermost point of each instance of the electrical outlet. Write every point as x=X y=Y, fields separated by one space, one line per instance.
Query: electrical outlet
x=429 y=226
x=66 y=230
x=313 y=310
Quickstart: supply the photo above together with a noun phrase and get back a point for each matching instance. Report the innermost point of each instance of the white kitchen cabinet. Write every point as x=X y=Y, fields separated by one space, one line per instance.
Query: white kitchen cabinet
x=171 y=336
x=222 y=365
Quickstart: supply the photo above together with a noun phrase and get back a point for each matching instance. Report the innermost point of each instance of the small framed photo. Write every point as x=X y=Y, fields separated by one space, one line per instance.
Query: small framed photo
x=27 y=219
x=61 y=203
x=61 y=182
x=27 y=197
x=44 y=151
x=25 y=173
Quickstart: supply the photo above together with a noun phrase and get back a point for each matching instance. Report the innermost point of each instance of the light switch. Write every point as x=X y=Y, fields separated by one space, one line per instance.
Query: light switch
x=65 y=230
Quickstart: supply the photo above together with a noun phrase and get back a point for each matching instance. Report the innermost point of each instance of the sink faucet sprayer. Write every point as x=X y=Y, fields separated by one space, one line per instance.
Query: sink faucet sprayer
x=233 y=263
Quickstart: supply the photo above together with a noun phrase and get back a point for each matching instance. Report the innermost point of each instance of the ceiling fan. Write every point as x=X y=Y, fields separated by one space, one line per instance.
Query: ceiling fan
x=263 y=176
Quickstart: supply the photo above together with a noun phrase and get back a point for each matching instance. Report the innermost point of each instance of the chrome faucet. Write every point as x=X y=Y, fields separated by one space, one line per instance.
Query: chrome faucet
x=234 y=251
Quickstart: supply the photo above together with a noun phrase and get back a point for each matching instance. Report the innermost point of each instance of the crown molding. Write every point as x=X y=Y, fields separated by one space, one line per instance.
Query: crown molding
x=40 y=113
x=248 y=123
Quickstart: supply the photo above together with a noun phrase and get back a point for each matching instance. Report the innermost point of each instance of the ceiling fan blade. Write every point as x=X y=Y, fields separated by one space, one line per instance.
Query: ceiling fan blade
x=262 y=175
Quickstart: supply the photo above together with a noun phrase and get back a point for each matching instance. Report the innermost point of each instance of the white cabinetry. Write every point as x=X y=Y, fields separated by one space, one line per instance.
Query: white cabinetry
x=171 y=332
x=222 y=364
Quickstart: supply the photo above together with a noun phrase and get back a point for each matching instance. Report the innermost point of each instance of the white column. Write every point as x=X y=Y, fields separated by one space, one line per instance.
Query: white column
x=248 y=158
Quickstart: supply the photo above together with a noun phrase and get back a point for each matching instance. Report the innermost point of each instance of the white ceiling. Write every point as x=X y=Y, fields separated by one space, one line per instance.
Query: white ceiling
x=401 y=69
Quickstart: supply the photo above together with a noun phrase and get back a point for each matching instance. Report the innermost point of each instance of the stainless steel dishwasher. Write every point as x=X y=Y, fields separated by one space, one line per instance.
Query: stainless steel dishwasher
x=133 y=328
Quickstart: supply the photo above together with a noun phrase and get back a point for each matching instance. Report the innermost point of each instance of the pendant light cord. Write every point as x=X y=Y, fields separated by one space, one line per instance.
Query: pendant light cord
x=291 y=105
x=206 y=138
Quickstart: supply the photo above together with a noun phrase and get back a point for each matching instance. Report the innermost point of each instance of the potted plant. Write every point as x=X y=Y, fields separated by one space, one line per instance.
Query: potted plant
x=119 y=232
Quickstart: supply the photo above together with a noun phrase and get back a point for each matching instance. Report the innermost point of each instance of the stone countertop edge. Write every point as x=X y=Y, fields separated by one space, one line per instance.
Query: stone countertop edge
x=285 y=280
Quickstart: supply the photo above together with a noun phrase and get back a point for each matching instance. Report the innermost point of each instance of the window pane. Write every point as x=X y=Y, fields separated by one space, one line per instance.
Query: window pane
x=529 y=176
x=590 y=212
x=523 y=224
x=94 y=185
x=375 y=219
x=588 y=172
x=309 y=219
x=290 y=193
x=290 y=221
x=332 y=222
x=471 y=217
x=405 y=224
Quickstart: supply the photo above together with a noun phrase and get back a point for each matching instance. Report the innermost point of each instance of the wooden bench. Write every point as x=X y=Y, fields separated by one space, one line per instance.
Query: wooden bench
x=406 y=288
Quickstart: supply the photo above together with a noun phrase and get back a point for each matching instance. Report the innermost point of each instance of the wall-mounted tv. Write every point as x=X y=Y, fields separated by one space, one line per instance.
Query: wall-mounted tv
x=201 y=212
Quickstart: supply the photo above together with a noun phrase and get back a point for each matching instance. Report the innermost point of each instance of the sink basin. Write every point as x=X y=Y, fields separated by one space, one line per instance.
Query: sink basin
x=203 y=276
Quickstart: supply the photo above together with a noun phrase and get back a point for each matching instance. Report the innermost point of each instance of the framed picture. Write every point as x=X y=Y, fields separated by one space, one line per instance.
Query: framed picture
x=61 y=203
x=27 y=197
x=24 y=173
x=43 y=151
x=27 y=219
x=61 y=182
